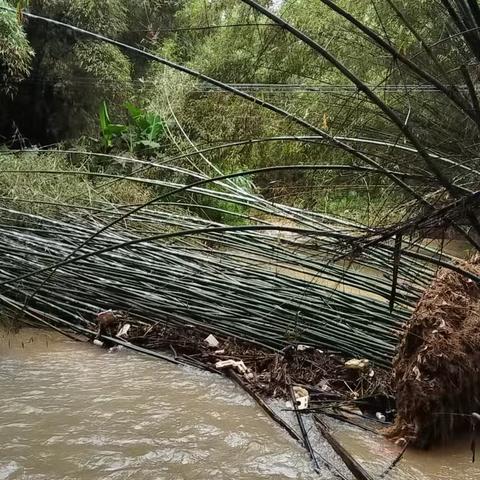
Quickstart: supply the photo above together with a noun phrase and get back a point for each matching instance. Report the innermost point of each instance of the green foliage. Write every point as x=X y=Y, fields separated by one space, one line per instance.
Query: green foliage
x=109 y=131
x=225 y=211
x=265 y=54
x=29 y=181
x=144 y=130
x=72 y=79
x=74 y=74
x=32 y=187
x=107 y=68
x=108 y=16
x=15 y=51
x=102 y=61
x=149 y=20
x=148 y=129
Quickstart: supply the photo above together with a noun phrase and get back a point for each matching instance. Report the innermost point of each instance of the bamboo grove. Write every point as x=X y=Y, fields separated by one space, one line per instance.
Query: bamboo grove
x=186 y=225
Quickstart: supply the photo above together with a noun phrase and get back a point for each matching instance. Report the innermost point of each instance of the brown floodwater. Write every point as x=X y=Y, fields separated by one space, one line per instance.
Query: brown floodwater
x=73 y=411
x=452 y=462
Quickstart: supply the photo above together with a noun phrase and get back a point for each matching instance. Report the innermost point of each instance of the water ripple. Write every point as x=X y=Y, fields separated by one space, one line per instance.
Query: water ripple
x=72 y=411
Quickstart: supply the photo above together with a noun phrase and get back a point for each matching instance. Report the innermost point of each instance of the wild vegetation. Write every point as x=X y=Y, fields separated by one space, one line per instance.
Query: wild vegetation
x=72 y=75
x=164 y=141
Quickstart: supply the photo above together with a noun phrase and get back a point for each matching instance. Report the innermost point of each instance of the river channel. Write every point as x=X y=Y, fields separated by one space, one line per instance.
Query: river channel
x=72 y=411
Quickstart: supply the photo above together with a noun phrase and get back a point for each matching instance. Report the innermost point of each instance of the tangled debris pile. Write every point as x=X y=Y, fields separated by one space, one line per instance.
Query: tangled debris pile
x=328 y=378
x=436 y=370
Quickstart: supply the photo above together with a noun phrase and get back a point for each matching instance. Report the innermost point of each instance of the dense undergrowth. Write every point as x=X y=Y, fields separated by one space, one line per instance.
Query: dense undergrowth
x=71 y=76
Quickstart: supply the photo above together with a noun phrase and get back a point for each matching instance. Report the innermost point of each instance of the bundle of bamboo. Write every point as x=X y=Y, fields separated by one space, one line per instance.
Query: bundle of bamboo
x=240 y=281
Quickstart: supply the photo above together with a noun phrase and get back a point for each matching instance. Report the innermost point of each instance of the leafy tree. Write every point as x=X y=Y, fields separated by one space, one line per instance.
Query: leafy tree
x=220 y=45
x=71 y=74
x=15 y=51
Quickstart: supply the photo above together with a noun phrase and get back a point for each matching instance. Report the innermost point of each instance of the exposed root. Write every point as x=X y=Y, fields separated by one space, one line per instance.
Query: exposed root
x=436 y=370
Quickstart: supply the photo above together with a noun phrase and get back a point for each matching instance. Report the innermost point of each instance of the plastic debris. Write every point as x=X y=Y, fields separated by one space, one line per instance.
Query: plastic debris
x=357 y=364
x=237 y=365
x=401 y=442
x=380 y=416
x=219 y=352
x=324 y=386
x=124 y=330
x=304 y=348
x=211 y=341
x=116 y=348
x=98 y=343
x=301 y=397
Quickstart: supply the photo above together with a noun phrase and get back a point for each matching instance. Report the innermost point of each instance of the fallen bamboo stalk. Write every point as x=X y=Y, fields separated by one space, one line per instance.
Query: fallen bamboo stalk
x=266 y=408
x=303 y=430
x=279 y=420
x=395 y=462
x=355 y=468
x=343 y=418
x=145 y=351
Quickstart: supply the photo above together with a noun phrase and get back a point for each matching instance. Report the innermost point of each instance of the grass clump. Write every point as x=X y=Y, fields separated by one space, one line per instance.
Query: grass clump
x=30 y=180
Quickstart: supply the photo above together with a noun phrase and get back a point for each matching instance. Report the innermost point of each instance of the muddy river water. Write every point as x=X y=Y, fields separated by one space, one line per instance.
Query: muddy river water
x=73 y=411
